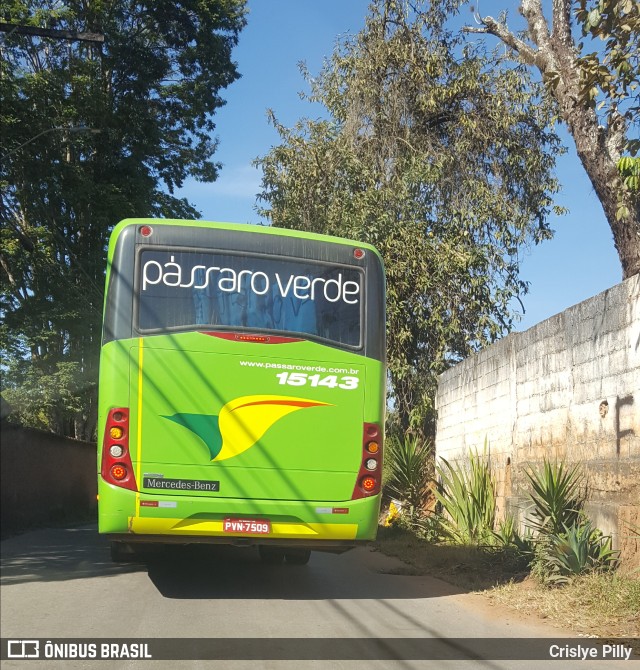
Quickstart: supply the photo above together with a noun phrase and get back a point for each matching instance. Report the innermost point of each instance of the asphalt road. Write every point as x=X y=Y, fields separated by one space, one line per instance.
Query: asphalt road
x=61 y=584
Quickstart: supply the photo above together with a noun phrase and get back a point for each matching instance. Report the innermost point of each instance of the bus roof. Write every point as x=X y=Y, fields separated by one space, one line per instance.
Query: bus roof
x=242 y=227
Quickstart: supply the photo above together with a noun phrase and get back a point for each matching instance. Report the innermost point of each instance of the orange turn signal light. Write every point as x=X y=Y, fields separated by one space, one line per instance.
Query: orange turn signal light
x=116 y=432
x=373 y=447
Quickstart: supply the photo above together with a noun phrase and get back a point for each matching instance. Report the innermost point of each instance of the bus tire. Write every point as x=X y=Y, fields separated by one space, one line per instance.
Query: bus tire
x=298 y=556
x=121 y=552
x=270 y=555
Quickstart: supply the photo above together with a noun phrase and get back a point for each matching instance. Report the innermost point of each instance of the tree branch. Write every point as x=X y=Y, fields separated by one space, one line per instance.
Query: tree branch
x=70 y=35
x=531 y=10
x=500 y=30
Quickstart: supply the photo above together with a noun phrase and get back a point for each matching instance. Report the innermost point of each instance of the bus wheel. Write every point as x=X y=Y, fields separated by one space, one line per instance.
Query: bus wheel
x=121 y=552
x=298 y=556
x=270 y=555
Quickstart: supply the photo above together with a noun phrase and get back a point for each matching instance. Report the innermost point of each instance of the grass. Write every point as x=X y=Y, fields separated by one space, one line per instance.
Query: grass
x=604 y=605
x=467 y=566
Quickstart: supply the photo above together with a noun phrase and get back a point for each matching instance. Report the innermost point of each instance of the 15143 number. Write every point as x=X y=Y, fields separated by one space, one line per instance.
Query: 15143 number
x=330 y=381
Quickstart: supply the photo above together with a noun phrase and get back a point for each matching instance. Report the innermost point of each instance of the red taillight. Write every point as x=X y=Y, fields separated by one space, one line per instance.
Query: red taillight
x=116 y=461
x=118 y=471
x=369 y=484
x=368 y=479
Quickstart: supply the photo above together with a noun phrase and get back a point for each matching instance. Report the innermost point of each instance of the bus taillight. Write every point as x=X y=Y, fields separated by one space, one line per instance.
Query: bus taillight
x=370 y=473
x=118 y=471
x=116 y=461
x=369 y=484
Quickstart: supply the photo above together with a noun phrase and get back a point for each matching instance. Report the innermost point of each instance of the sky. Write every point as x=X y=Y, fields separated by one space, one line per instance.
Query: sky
x=578 y=263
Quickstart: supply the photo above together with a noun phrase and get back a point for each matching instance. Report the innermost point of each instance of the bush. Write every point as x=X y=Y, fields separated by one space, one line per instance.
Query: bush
x=468 y=501
x=578 y=550
x=559 y=542
x=557 y=499
x=566 y=543
x=410 y=472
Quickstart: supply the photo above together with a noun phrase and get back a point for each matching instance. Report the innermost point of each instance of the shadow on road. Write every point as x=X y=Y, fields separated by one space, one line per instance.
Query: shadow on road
x=209 y=572
x=58 y=554
x=213 y=571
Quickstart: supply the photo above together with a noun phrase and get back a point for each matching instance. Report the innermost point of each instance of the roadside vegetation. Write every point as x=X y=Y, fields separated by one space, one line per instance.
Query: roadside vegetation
x=553 y=563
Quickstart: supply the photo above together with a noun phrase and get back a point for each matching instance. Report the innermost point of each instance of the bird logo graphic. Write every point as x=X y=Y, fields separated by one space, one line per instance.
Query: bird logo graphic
x=241 y=422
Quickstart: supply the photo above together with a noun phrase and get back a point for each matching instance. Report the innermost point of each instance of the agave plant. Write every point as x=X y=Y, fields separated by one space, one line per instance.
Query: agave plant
x=557 y=498
x=467 y=496
x=578 y=549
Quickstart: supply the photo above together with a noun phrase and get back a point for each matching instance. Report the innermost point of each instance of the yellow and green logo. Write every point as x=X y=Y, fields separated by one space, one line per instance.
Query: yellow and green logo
x=241 y=422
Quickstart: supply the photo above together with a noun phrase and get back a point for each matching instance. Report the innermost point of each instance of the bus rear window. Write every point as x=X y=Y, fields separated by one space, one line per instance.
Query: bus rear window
x=187 y=290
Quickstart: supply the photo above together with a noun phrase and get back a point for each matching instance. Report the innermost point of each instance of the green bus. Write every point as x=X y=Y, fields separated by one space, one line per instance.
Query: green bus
x=242 y=388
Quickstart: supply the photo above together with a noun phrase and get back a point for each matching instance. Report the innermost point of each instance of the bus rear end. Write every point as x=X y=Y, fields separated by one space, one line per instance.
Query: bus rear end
x=241 y=388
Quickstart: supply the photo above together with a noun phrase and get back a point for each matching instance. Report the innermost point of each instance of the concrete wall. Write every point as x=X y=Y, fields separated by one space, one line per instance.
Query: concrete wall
x=45 y=478
x=568 y=388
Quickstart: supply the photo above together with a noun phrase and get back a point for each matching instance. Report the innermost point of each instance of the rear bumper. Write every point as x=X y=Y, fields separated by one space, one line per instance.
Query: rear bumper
x=127 y=516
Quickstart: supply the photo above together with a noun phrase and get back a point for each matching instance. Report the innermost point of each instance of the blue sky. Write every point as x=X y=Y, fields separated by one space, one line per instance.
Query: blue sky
x=578 y=263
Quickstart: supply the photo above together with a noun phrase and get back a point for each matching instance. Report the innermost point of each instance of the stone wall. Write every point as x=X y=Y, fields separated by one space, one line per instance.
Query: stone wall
x=566 y=389
x=45 y=479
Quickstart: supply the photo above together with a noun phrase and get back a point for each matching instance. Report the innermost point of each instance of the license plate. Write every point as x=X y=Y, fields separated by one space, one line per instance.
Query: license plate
x=249 y=526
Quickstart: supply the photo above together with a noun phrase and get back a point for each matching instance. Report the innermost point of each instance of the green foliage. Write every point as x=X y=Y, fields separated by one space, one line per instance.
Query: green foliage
x=441 y=160
x=610 y=83
x=467 y=496
x=578 y=549
x=42 y=397
x=629 y=169
x=556 y=497
x=506 y=531
x=563 y=544
x=507 y=535
x=92 y=134
x=429 y=527
x=410 y=471
x=610 y=75
x=566 y=543
x=595 y=81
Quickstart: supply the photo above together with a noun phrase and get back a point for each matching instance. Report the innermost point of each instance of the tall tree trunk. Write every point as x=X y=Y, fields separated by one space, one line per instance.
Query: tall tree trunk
x=605 y=179
x=599 y=143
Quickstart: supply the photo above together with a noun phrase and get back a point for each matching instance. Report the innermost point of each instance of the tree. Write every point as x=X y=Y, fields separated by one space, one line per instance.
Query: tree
x=597 y=94
x=92 y=134
x=444 y=163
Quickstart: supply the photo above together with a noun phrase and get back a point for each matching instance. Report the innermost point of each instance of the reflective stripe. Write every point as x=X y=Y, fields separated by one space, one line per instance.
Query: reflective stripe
x=312 y=531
